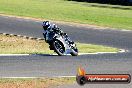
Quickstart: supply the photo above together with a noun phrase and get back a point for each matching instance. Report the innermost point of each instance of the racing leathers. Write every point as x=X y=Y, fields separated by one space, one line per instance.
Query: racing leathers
x=50 y=31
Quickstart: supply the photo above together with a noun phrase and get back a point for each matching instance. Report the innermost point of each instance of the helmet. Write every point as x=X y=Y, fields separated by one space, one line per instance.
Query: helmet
x=54 y=26
x=46 y=24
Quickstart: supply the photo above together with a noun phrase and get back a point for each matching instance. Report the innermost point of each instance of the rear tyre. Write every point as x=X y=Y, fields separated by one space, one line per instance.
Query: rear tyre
x=58 y=48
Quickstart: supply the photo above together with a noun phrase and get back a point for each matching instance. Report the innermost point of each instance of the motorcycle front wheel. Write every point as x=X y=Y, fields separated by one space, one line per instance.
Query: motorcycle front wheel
x=58 y=48
x=74 y=51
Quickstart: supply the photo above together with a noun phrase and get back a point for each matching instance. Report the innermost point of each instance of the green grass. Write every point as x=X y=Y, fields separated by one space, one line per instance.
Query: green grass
x=18 y=45
x=90 y=48
x=108 y=6
x=63 y=10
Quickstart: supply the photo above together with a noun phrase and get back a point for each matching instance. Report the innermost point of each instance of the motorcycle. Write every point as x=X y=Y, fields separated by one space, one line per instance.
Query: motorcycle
x=61 y=43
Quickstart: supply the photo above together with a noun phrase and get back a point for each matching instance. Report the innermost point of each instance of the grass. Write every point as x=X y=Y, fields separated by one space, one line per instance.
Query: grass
x=90 y=48
x=35 y=82
x=71 y=11
x=109 y=6
x=18 y=45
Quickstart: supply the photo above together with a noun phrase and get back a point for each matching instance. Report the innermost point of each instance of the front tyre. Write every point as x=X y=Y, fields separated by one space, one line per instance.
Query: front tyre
x=74 y=51
x=58 y=48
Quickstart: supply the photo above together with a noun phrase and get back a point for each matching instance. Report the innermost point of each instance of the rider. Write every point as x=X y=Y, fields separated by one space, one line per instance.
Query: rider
x=50 y=28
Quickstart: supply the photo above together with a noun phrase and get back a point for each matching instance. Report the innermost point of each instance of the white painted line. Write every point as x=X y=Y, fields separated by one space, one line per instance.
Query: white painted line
x=39 y=39
x=14 y=54
x=125 y=30
x=19 y=35
x=64 y=76
x=96 y=53
x=91 y=53
x=120 y=51
x=25 y=37
x=4 y=33
x=30 y=37
x=11 y=34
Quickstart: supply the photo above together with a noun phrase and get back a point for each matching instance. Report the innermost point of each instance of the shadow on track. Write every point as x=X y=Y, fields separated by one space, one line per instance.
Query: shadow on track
x=44 y=54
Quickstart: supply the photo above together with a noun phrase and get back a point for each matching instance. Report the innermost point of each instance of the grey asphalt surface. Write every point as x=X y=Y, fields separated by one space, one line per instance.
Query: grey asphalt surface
x=48 y=65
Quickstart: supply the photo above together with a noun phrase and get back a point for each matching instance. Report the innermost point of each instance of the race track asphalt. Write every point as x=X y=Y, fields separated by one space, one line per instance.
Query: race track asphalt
x=52 y=65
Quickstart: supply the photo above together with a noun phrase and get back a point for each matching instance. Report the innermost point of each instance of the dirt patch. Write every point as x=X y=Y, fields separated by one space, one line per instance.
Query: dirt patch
x=13 y=44
x=10 y=44
x=35 y=83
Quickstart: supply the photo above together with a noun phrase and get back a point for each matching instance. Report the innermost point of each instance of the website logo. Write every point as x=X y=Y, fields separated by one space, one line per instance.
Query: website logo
x=83 y=78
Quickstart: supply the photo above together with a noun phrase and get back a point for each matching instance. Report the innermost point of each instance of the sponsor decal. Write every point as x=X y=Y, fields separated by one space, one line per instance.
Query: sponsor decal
x=83 y=78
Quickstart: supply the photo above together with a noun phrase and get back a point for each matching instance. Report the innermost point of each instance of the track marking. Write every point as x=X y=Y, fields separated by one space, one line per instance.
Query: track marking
x=15 y=54
x=64 y=76
x=22 y=36
x=121 y=51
